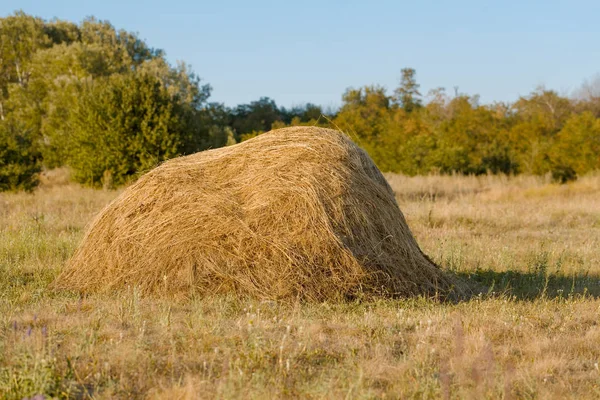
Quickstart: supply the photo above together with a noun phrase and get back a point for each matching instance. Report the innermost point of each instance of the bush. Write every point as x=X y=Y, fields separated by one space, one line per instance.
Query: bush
x=124 y=125
x=20 y=162
x=563 y=174
x=576 y=148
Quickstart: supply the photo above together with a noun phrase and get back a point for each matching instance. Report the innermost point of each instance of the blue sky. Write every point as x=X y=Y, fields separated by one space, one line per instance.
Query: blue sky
x=311 y=51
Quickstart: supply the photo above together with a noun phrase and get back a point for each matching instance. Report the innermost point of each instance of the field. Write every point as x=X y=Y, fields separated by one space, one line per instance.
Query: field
x=535 y=334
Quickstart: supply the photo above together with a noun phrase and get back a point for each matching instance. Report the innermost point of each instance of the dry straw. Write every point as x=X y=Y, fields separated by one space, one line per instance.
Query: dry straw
x=295 y=213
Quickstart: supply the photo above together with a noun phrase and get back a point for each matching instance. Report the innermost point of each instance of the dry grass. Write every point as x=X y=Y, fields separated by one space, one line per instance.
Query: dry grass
x=534 y=243
x=295 y=213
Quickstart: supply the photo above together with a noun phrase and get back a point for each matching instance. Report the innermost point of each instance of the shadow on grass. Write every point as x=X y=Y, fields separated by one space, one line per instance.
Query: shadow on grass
x=533 y=285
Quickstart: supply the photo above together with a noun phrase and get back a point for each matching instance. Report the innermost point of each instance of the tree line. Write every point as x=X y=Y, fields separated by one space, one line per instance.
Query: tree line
x=104 y=103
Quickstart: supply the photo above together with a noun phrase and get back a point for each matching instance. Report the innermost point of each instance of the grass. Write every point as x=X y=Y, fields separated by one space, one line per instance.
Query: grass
x=535 y=335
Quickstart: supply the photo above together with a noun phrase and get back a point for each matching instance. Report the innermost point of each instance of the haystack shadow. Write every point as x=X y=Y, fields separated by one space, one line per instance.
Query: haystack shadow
x=531 y=285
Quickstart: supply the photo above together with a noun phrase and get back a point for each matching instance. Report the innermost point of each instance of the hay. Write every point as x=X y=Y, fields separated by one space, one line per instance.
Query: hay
x=293 y=213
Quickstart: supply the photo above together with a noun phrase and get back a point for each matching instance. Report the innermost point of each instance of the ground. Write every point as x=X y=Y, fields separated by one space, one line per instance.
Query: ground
x=534 y=334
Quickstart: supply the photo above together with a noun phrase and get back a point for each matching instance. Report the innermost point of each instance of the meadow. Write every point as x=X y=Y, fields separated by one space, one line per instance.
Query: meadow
x=533 y=334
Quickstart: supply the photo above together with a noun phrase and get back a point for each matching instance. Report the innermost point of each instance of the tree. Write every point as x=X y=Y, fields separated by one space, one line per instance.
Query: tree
x=305 y=113
x=536 y=120
x=214 y=122
x=588 y=96
x=407 y=94
x=113 y=51
x=20 y=162
x=98 y=99
x=258 y=116
x=123 y=125
x=364 y=113
x=577 y=145
x=472 y=139
x=61 y=32
x=21 y=36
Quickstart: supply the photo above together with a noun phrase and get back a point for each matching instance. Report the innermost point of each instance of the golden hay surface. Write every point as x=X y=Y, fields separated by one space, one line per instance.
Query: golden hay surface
x=295 y=213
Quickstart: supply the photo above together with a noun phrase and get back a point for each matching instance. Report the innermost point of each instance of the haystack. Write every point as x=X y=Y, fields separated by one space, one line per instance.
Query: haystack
x=294 y=213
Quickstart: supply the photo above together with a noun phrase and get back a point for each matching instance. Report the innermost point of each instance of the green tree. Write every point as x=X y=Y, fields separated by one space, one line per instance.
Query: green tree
x=62 y=31
x=258 y=116
x=407 y=94
x=21 y=36
x=213 y=121
x=364 y=113
x=536 y=120
x=577 y=145
x=121 y=126
x=88 y=91
x=407 y=144
x=307 y=112
x=20 y=162
x=472 y=140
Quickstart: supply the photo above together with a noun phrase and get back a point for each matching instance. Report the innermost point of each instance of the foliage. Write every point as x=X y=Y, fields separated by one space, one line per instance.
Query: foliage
x=19 y=159
x=97 y=99
x=123 y=125
x=407 y=94
x=256 y=116
x=446 y=135
x=49 y=69
x=577 y=145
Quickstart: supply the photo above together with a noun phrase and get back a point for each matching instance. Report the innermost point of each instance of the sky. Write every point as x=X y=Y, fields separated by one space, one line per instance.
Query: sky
x=312 y=51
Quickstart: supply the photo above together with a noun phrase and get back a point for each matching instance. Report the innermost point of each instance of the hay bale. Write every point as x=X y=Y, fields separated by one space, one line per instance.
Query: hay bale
x=293 y=213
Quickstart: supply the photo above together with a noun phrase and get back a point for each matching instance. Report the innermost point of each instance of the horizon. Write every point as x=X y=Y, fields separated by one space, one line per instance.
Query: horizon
x=499 y=52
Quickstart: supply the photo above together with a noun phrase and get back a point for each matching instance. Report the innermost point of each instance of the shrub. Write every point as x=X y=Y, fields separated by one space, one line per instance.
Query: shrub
x=20 y=162
x=123 y=125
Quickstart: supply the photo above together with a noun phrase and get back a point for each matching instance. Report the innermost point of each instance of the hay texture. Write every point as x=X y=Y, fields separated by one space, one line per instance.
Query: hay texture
x=295 y=213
